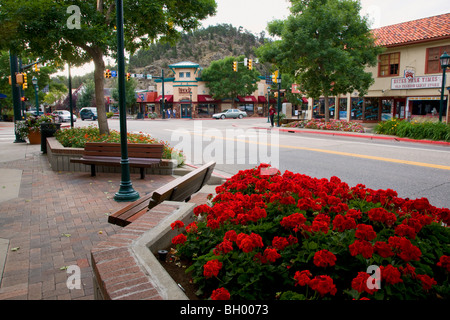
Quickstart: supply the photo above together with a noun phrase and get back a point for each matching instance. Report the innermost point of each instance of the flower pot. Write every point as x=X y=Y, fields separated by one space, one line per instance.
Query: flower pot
x=34 y=137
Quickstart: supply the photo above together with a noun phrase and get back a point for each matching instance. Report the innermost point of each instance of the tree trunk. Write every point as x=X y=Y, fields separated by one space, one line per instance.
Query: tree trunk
x=99 y=91
x=327 y=111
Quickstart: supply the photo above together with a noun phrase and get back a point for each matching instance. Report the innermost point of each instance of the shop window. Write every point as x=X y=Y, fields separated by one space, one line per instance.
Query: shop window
x=357 y=108
x=371 y=109
x=433 y=64
x=181 y=74
x=389 y=64
x=206 y=109
x=343 y=108
x=386 y=110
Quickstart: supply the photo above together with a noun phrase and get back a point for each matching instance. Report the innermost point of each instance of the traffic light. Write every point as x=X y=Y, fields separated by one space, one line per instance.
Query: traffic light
x=25 y=81
x=275 y=77
x=235 y=66
x=108 y=73
x=19 y=78
x=128 y=76
x=250 y=64
x=36 y=67
x=23 y=99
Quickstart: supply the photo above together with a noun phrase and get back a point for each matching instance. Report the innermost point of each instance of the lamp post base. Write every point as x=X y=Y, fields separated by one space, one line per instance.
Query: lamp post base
x=126 y=193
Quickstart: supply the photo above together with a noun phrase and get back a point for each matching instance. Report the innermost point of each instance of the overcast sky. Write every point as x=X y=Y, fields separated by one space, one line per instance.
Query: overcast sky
x=253 y=15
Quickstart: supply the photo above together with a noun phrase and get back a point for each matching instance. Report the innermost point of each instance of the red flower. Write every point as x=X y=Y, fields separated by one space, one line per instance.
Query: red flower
x=323 y=285
x=224 y=247
x=302 y=277
x=324 y=258
x=342 y=223
x=220 y=294
x=382 y=215
x=294 y=221
x=404 y=248
x=408 y=270
x=444 y=262
x=247 y=242
x=383 y=249
x=404 y=230
x=361 y=247
x=192 y=227
x=271 y=254
x=365 y=232
x=179 y=239
x=212 y=268
x=201 y=209
x=280 y=243
x=177 y=224
x=427 y=281
x=360 y=283
x=390 y=274
x=230 y=235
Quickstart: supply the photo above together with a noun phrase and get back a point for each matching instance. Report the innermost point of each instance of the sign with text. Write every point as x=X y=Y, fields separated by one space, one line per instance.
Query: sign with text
x=424 y=82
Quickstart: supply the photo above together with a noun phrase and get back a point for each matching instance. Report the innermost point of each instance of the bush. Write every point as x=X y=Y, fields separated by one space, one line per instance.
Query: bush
x=77 y=138
x=290 y=236
x=437 y=131
x=109 y=114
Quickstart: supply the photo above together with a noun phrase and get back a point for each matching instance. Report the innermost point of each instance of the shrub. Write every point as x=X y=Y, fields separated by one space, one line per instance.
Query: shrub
x=290 y=236
x=77 y=138
x=437 y=131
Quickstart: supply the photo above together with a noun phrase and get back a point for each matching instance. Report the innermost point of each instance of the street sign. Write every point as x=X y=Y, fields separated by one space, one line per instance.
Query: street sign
x=113 y=74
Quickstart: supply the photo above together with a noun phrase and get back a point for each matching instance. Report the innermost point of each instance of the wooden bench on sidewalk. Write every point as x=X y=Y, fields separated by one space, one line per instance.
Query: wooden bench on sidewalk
x=140 y=155
x=179 y=189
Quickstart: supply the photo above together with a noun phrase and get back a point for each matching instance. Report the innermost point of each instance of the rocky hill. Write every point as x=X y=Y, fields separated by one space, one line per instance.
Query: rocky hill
x=201 y=46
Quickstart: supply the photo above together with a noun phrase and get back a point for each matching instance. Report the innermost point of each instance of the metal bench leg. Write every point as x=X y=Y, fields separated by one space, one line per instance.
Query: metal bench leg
x=92 y=170
x=142 y=173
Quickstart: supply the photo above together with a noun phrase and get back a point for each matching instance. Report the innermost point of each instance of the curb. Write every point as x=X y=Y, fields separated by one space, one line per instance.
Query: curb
x=356 y=135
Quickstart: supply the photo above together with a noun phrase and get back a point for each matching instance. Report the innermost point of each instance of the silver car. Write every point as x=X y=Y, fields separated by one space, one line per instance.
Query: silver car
x=64 y=115
x=230 y=113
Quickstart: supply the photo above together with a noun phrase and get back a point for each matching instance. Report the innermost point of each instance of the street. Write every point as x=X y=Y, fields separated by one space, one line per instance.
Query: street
x=413 y=170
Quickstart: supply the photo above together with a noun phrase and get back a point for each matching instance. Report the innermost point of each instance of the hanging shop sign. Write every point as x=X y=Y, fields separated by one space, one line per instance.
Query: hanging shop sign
x=423 y=82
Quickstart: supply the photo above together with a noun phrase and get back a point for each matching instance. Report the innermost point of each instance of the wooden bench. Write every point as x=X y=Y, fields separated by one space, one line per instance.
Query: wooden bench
x=179 y=189
x=140 y=155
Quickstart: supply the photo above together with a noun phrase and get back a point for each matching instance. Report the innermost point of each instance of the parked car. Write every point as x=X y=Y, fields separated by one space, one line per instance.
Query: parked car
x=230 y=113
x=64 y=115
x=88 y=113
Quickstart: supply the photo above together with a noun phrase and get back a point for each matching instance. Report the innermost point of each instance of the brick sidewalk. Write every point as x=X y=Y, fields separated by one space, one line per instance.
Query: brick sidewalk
x=56 y=220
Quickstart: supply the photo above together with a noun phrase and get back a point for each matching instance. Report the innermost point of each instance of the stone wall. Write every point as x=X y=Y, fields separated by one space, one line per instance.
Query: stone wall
x=59 y=158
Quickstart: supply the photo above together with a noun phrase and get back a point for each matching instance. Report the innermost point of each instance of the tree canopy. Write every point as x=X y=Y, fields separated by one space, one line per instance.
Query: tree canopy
x=326 y=45
x=224 y=83
x=51 y=30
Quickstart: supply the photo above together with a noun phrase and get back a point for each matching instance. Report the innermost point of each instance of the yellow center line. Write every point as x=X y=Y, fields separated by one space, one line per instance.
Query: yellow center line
x=347 y=154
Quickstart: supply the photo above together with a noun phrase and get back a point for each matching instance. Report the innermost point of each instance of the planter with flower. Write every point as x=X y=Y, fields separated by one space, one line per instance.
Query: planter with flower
x=291 y=236
x=30 y=128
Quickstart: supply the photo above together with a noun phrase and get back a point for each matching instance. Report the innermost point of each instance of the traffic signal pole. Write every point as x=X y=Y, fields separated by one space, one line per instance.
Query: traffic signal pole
x=15 y=92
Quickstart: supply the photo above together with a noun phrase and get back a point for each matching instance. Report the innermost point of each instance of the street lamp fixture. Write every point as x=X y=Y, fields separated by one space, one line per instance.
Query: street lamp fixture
x=445 y=63
x=36 y=89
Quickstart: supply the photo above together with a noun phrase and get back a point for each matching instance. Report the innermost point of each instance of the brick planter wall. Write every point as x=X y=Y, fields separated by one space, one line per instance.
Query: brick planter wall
x=59 y=158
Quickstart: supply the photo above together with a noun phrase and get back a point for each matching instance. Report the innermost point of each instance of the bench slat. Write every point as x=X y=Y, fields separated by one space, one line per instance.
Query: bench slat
x=179 y=189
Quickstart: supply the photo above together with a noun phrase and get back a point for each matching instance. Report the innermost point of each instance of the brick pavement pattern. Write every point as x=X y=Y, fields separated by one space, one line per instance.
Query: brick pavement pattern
x=56 y=220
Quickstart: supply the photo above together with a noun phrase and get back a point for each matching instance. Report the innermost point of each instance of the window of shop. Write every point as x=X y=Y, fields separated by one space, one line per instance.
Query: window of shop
x=249 y=108
x=357 y=109
x=206 y=109
x=343 y=108
x=389 y=64
x=386 y=110
x=371 y=109
x=319 y=107
x=433 y=64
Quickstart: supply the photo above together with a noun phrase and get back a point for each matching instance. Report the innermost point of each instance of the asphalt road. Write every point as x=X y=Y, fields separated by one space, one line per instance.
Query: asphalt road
x=413 y=170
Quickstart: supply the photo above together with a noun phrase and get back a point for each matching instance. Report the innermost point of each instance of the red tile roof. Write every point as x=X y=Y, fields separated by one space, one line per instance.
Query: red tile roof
x=432 y=28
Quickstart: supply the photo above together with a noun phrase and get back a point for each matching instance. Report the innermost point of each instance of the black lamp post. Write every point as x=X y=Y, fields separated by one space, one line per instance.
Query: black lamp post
x=445 y=63
x=36 y=89
x=126 y=191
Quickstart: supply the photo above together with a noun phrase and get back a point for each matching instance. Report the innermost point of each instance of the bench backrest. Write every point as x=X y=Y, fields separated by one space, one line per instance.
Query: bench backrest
x=182 y=188
x=135 y=150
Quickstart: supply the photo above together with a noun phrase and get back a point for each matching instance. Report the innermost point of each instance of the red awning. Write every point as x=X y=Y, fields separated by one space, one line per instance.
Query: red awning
x=205 y=98
x=250 y=99
x=262 y=99
x=168 y=98
x=304 y=100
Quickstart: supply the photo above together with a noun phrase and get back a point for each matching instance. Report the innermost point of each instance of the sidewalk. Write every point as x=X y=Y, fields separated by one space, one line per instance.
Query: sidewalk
x=51 y=220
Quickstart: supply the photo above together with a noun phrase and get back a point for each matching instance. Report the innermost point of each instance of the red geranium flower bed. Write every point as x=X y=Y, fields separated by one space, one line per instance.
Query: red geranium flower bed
x=291 y=236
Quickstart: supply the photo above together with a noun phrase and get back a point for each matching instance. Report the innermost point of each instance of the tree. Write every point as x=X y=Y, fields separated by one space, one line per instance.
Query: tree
x=130 y=92
x=225 y=83
x=62 y=31
x=86 y=97
x=326 y=45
